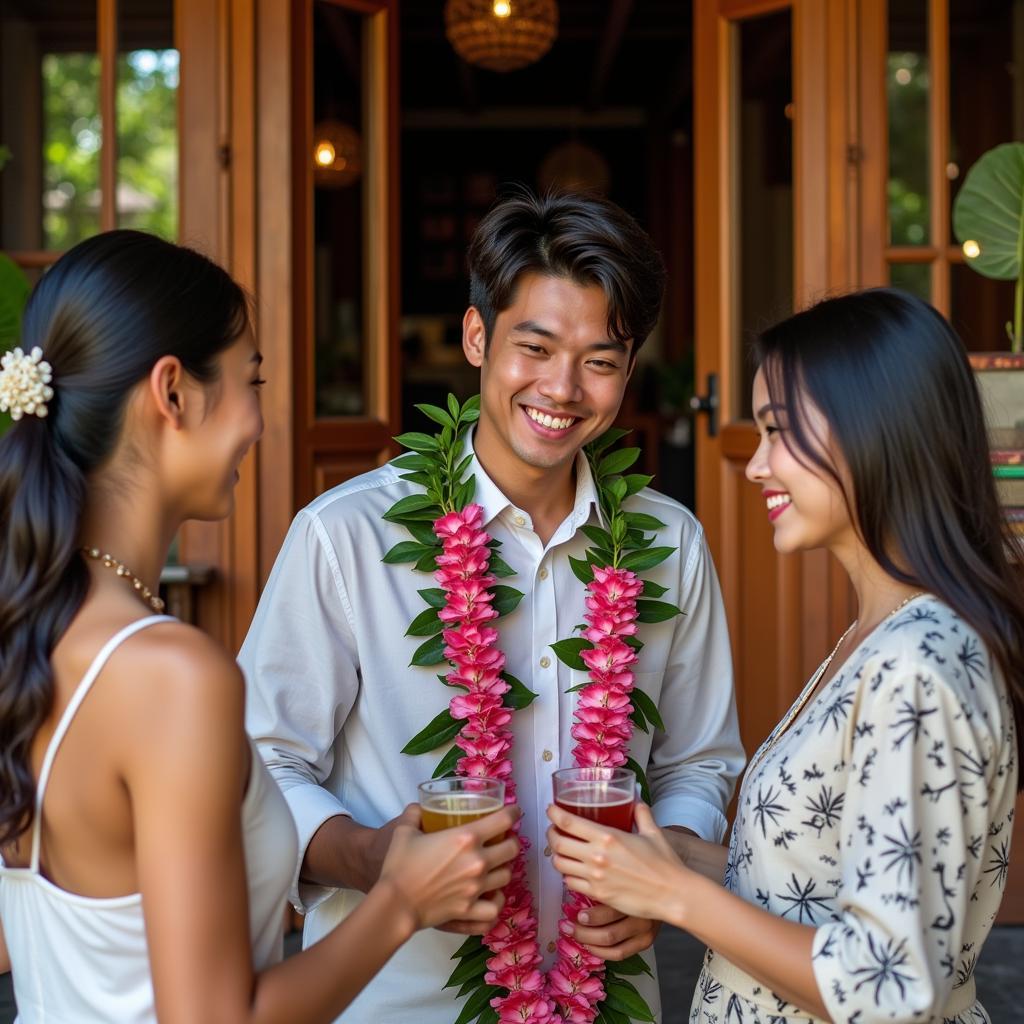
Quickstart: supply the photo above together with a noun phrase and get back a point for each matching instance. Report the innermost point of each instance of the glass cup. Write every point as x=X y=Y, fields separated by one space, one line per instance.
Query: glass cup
x=446 y=803
x=604 y=795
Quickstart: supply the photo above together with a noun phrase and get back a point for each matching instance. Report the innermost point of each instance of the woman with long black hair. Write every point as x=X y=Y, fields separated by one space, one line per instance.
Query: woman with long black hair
x=146 y=852
x=872 y=834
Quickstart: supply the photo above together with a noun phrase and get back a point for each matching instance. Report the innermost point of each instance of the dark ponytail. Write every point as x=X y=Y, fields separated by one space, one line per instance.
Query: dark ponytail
x=103 y=315
x=892 y=379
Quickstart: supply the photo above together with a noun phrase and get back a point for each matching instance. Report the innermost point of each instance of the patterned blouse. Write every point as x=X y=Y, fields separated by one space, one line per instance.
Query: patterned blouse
x=883 y=818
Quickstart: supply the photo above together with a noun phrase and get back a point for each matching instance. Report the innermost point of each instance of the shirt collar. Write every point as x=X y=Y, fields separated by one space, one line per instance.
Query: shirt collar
x=490 y=498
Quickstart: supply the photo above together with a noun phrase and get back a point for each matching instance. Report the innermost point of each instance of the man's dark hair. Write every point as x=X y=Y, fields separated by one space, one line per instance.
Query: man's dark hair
x=583 y=238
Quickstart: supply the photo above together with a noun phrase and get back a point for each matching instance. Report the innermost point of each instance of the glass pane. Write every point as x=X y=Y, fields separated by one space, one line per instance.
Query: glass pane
x=764 y=168
x=986 y=98
x=338 y=173
x=980 y=309
x=49 y=124
x=907 y=84
x=147 y=117
x=915 y=278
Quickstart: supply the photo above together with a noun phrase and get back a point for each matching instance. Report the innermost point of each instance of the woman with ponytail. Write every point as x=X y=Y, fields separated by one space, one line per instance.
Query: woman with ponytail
x=146 y=853
x=872 y=835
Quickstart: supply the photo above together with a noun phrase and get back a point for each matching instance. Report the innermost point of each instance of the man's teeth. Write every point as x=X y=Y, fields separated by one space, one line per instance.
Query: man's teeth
x=551 y=422
x=777 y=501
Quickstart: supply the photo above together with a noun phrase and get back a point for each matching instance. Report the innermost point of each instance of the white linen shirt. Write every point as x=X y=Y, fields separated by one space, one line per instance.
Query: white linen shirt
x=333 y=699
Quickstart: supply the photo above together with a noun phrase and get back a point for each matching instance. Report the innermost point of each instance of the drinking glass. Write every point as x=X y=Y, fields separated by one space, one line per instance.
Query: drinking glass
x=604 y=795
x=446 y=803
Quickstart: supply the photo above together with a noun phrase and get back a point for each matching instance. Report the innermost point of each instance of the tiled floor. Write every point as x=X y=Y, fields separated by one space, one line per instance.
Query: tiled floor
x=999 y=973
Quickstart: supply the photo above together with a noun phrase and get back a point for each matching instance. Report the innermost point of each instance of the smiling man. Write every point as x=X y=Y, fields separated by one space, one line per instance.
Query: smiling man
x=564 y=291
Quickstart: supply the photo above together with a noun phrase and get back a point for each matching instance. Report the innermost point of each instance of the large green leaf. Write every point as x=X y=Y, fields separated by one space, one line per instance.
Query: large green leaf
x=989 y=210
x=14 y=289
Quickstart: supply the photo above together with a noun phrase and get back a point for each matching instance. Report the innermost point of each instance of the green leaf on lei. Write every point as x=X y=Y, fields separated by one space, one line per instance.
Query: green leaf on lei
x=581 y=569
x=656 y=611
x=618 y=461
x=640 y=560
x=476 y=1003
x=622 y=996
x=636 y=482
x=647 y=707
x=446 y=766
x=425 y=624
x=418 y=442
x=634 y=964
x=430 y=653
x=568 y=652
x=641 y=778
x=506 y=599
x=406 y=551
x=519 y=696
x=410 y=503
x=436 y=414
x=441 y=729
x=499 y=567
x=434 y=596
x=652 y=589
x=468 y=968
x=642 y=521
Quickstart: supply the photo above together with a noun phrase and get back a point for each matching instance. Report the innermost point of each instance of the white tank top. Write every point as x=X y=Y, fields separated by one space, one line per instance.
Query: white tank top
x=78 y=959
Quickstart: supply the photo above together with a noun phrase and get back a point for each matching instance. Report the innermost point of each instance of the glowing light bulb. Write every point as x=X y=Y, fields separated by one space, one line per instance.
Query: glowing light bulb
x=502 y=8
x=971 y=249
x=324 y=154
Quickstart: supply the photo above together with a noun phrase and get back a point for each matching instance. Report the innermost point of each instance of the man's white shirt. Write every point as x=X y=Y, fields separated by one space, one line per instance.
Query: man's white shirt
x=332 y=698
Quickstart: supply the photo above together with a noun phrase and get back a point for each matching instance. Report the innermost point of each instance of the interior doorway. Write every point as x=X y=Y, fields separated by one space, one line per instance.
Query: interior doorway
x=608 y=108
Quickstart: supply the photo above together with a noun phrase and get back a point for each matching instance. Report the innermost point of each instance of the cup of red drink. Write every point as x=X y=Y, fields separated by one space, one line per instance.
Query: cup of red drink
x=604 y=795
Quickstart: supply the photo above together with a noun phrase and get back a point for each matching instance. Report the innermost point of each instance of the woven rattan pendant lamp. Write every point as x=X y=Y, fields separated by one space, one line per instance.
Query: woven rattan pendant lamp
x=501 y=35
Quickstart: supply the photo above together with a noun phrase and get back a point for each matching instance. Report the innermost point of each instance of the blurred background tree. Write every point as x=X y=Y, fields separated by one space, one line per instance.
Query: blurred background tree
x=147 y=143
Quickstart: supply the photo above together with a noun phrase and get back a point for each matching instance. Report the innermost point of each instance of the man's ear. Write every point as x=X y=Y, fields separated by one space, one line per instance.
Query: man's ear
x=167 y=390
x=474 y=337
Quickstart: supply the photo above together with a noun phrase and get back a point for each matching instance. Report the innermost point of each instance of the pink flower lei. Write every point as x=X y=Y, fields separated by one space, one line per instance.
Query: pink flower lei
x=500 y=974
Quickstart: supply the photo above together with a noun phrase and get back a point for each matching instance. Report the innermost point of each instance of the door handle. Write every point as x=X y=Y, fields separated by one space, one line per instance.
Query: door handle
x=708 y=404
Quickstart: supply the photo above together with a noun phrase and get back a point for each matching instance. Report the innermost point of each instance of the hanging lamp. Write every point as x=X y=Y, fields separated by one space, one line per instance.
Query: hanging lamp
x=501 y=35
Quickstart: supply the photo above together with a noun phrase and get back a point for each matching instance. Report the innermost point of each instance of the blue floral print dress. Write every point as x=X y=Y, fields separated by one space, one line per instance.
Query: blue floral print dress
x=882 y=817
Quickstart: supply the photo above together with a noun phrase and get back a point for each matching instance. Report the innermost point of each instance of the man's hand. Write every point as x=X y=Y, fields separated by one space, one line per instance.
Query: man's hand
x=344 y=854
x=613 y=936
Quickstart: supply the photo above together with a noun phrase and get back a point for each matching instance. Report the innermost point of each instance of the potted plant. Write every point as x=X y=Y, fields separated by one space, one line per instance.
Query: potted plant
x=988 y=220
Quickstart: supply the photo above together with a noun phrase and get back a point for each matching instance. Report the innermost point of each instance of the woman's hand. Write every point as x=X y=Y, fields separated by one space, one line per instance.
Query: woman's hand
x=634 y=873
x=451 y=875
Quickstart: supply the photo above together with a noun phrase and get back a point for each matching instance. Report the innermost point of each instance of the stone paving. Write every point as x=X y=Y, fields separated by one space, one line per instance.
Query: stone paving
x=999 y=973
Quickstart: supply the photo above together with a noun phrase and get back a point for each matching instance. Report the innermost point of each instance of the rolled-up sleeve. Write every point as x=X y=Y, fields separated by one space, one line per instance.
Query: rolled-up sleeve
x=695 y=762
x=301 y=667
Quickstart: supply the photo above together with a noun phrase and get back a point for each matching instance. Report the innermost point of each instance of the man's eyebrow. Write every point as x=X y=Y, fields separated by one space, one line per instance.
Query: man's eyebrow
x=605 y=345
x=532 y=327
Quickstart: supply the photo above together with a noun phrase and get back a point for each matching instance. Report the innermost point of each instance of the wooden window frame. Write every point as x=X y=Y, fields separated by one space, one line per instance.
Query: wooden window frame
x=106 y=48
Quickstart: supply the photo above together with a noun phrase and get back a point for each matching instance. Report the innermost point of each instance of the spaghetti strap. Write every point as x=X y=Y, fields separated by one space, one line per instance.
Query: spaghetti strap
x=69 y=713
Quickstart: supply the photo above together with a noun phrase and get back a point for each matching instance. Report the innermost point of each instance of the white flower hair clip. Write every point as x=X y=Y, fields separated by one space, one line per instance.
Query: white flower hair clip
x=25 y=383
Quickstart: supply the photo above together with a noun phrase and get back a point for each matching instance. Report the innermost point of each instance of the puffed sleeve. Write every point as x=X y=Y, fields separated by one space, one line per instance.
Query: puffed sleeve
x=913 y=822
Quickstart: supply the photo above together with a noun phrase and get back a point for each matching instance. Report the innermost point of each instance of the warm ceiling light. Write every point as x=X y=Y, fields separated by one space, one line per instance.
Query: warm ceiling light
x=971 y=249
x=337 y=154
x=499 y=35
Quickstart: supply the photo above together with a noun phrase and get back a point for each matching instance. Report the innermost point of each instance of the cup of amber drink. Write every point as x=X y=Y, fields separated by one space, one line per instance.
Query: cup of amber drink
x=604 y=795
x=446 y=803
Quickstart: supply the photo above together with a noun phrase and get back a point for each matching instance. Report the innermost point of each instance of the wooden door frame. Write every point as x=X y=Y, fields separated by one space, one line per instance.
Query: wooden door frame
x=234 y=110
x=324 y=449
x=825 y=187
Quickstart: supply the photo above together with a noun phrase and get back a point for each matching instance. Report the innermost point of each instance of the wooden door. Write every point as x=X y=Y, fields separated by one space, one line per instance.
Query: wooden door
x=346 y=375
x=775 y=193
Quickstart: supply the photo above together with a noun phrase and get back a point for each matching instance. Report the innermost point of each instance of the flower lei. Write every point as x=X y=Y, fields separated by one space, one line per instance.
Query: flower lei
x=500 y=973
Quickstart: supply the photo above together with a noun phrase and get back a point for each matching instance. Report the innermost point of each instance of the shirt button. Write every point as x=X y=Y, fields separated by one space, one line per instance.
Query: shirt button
x=547 y=755
x=547 y=851
x=543 y=574
x=519 y=520
x=551 y=947
x=545 y=661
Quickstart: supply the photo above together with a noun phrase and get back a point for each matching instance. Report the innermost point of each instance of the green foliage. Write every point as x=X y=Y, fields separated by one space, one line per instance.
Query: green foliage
x=14 y=289
x=147 y=144
x=989 y=210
